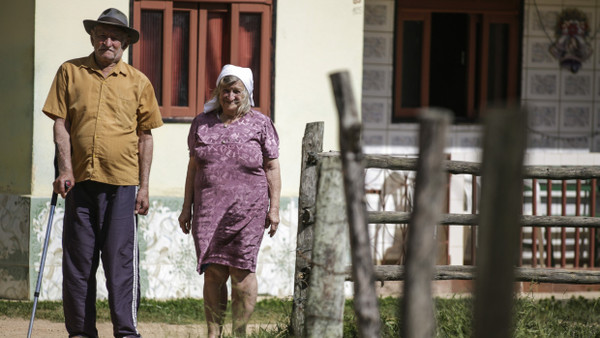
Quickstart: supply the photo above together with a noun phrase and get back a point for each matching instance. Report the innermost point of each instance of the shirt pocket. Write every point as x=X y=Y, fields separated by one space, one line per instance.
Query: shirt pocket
x=127 y=113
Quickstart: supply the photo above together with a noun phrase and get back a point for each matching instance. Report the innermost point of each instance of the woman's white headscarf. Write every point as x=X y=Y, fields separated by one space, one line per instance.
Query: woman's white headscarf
x=244 y=74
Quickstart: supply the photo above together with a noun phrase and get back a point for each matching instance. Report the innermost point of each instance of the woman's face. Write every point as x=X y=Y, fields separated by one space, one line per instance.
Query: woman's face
x=231 y=96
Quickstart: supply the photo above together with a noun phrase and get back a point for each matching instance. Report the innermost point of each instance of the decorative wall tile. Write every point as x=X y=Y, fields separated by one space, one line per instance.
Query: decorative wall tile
x=596 y=144
x=543 y=116
x=404 y=142
x=51 y=288
x=589 y=11
x=377 y=80
x=573 y=142
x=167 y=255
x=542 y=84
x=378 y=47
x=524 y=77
x=576 y=117
x=597 y=87
x=14 y=246
x=538 y=54
x=375 y=112
x=542 y=20
x=467 y=140
x=379 y=16
x=374 y=141
x=404 y=139
x=541 y=141
x=577 y=86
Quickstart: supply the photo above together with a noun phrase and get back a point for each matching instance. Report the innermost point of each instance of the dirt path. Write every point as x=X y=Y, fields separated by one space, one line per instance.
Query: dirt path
x=14 y=327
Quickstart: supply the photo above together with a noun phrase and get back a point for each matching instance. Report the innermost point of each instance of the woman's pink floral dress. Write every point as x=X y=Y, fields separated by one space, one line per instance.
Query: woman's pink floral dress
x=231 y=197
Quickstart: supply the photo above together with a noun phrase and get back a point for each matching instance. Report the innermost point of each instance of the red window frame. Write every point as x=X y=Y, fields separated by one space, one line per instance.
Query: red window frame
x=197 y=73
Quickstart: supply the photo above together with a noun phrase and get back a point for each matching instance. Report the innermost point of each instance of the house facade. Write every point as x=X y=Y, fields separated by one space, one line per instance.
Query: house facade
x=401 y=55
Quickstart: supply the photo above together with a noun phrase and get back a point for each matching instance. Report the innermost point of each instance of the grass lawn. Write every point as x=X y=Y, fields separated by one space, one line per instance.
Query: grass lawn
x=576 y=317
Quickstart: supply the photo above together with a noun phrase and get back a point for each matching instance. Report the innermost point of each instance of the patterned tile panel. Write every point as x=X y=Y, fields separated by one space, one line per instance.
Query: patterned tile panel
x=542 y=84
x=167 y=256
x=577 y=86
x=379 y=16
x=543 y=116
x=14 y=246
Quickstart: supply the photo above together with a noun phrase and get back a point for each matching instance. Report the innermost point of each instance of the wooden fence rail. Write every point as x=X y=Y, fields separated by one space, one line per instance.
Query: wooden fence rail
x=474 y=168
x=401 y=217
x=387 y=273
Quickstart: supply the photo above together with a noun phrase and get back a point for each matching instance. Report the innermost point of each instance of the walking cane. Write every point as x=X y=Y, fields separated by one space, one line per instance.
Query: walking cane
x=53 y=201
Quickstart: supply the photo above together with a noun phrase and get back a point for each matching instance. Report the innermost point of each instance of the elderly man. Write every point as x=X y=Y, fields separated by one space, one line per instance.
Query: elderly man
x=103 y=111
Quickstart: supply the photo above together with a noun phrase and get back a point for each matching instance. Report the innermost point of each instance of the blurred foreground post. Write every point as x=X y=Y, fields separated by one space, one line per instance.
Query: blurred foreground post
x=365 y=298
x=312 y=143
x=500 y=214
x=430 y=186
x=325 y=304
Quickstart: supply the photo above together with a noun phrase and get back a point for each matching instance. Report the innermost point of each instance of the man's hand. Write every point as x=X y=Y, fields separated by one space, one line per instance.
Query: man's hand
x=142 y=202
x=63 y=184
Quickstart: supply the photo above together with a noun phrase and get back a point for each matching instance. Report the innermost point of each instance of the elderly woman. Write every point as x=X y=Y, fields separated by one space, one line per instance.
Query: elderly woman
x=231 y=195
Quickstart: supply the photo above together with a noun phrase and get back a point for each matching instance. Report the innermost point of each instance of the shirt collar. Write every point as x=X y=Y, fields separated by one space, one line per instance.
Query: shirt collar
x=90 y=62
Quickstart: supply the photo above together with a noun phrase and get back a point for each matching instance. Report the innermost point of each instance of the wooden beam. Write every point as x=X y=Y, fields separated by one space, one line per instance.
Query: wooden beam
x=365 y=297
x=417 y=304
x=401 y=217
x=498 y=238
x=474 y=168
x=312 y=142
x=465 y=272
x=325 y=304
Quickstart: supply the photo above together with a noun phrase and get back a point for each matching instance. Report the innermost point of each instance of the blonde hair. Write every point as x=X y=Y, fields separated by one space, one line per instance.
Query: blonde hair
x=228 y=81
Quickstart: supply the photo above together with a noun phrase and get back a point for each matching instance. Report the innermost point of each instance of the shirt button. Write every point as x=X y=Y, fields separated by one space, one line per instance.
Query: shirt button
x=223 y=142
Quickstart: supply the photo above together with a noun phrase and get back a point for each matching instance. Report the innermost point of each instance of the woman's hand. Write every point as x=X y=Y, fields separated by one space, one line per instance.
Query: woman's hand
x=185 y=220
x=272 y=221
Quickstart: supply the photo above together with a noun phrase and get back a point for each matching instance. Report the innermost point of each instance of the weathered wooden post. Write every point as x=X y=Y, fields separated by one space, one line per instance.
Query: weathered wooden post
x=325 y=305
x=312 y=143
x=500 y=215
x=365 y=297
x=418 y=313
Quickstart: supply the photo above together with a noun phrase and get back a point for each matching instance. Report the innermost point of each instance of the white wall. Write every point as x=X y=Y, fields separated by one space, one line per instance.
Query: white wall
x=313 y=39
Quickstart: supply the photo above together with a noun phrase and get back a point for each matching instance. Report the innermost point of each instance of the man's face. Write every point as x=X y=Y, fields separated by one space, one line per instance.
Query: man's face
x=109 y=43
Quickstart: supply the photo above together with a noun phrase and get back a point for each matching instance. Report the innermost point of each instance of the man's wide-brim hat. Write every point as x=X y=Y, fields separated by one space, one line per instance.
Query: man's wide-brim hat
x=113 y=17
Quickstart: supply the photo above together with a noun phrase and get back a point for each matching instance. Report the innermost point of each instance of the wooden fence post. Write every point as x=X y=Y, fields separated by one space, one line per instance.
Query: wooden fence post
x=365 y=297
x=312 y=143
x=325 y=304
x=418 y=313
x=500 y=213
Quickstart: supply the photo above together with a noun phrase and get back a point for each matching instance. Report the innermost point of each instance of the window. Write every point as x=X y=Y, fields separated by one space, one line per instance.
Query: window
x=183 y=46
x=457 y=54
